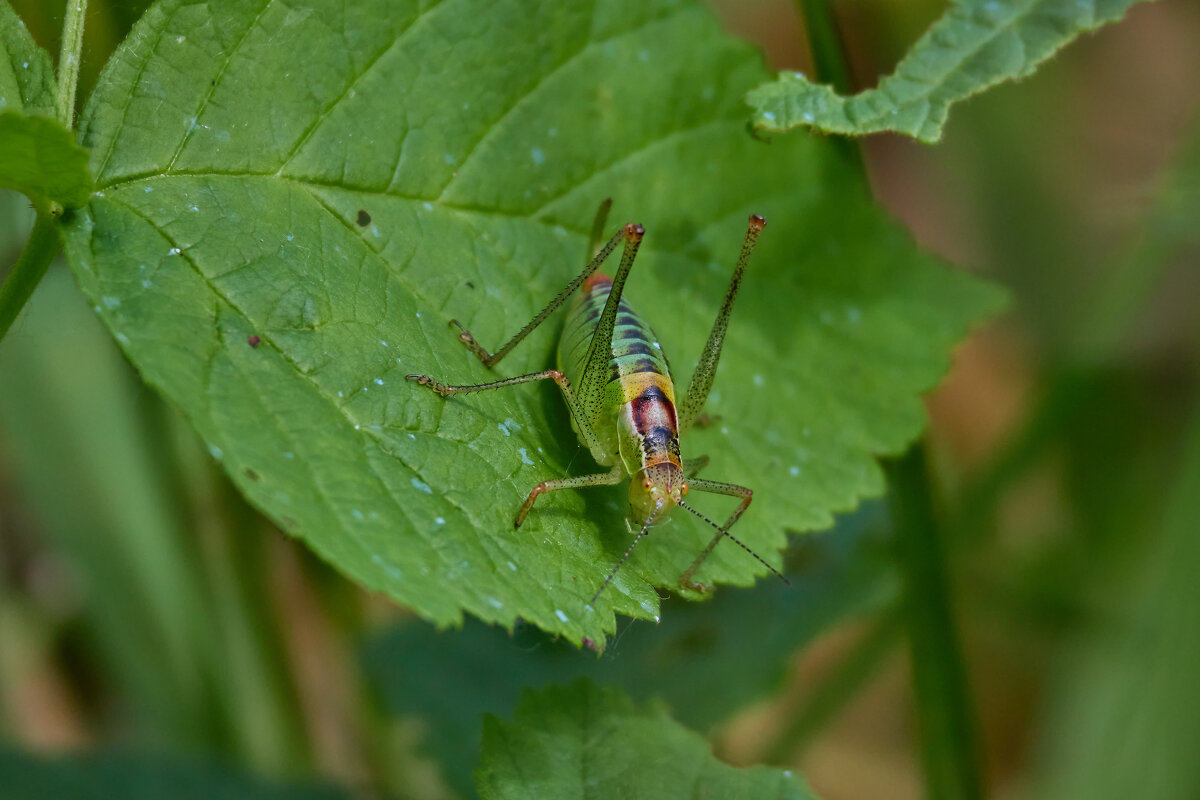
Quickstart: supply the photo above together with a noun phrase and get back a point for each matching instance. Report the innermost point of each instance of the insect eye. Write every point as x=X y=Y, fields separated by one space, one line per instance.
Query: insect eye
x=647 y=483
x=684 y=488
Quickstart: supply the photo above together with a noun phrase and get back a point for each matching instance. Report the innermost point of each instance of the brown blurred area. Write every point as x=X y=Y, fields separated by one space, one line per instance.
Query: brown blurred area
x=1069 y=160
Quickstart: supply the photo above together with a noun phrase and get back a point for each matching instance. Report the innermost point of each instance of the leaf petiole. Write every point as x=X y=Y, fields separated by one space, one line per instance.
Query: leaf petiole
x=28 y=271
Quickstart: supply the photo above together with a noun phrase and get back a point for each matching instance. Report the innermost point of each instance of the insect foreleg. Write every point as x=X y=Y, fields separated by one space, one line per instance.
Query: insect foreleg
x=702 y=378
x=731 y=490
x=491 y=359
x=610 y=478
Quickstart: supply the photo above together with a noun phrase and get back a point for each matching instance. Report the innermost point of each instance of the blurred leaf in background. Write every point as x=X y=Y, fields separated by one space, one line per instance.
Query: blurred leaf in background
x=695 y=659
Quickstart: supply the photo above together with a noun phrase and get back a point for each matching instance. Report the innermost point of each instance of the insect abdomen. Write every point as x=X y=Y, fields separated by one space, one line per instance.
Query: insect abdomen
x=639 y=388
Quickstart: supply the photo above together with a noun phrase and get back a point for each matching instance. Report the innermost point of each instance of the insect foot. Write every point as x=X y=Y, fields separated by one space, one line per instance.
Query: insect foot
x=425 y=380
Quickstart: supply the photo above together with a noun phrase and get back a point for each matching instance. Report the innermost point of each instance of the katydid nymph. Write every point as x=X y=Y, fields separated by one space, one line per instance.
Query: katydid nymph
x=617 y=386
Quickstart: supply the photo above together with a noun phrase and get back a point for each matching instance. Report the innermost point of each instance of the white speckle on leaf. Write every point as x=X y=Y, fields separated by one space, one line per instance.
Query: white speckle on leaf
x=122 y=338
x=494 y=603
x=148 y=189
x=427 y=205
x=422 y=485
x=25 y=65
x=808 y=117
x=439 y=520
x=180 y=39
x=194 y=207
x=759 y=380
x=449 y=159
x=146 y=284
x=853 y=315
x=794 y=471
x=511 y=424
x=290 y=237
x=391 y=570
x=375 y=231
x=222 y=136
x=357 y=426
x=339 y=394
x=379 y=381
x=503 y=429
x=725 y=430
x=288 y=454
x=538 y=156
x=769 y=116
x=110 y=302
x=418 y=315
x=215 y=451
x=512 y=566
x=558 y=613
x=412 y=436
x=174 y=251
x=382 y=342
x=354 y=512
x=524 y=456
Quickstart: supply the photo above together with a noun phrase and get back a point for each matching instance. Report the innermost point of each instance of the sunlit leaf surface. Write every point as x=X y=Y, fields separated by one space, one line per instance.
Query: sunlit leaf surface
x=295 y=198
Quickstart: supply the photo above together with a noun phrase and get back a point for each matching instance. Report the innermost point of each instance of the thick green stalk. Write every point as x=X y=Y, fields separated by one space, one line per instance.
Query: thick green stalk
x=69 y=60
x=945 y=716
x=28 y=271
x=829 y=60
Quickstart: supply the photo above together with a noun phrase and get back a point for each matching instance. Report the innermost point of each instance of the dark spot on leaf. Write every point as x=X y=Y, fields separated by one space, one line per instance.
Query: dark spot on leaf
x=253 y=341
x=252 y=475
x=289 y=523
x=470 y=285
x=363 y=219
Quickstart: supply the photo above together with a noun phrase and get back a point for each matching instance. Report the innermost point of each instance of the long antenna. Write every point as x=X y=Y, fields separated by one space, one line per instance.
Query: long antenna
x=621 y=563
x=735 y=540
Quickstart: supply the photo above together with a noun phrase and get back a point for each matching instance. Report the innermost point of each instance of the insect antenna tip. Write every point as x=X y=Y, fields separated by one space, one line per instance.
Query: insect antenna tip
x=758 y=221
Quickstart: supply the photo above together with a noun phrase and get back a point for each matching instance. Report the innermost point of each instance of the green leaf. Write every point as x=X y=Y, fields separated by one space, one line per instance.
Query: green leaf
x=25 y=776
x=695 y=660
x=236 y=145
x=976 y=44
x=588 y=741
x=40 y=159
x=26 y=71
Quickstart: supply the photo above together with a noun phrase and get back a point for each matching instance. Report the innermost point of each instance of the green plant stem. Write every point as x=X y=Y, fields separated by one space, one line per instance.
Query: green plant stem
x=69 y=61
x=945 y=716
x=829 y=60
x=28 y=271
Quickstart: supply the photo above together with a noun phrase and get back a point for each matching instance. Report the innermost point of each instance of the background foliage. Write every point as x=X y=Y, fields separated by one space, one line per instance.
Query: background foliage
x=144 y=604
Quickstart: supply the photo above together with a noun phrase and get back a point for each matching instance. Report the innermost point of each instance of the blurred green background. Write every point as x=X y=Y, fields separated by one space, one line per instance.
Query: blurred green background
x=145 y=607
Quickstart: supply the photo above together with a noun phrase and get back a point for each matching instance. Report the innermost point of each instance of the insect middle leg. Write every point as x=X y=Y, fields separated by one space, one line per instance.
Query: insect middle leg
x=730 y=490
x=568 y=392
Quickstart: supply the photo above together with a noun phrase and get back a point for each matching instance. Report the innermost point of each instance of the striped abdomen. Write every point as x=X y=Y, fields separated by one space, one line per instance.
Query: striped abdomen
x=638 y=417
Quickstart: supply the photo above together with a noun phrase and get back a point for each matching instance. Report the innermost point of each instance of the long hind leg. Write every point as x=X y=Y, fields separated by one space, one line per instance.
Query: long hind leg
x=491 y=359
x=706 y=369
